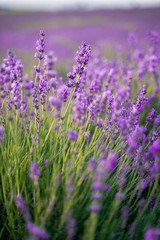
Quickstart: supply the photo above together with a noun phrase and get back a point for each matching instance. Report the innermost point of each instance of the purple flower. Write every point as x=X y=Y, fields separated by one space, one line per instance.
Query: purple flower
x=83 y=55
x=111 y=161
x=152 y=234
x=151 y=116
x=37 y=231
x=125 y=212
x=136 y=138
x=120 y=196
x=10 y=118
x=42 y=89
x=141 y=100
x=153 y=37
x=45 y=161
x=97 y=185
x=95 y=207
x=32 y=136
x=69 y=187
x=15 y=86
x=40 y=46
x=157 y=120
x=72 y=134
x=34 y=173
x=71 y=224
x=82 y=59
x=96 y=195
x=35 y=98
x=99 y=123
x=153 y=64
x=49 y=61
x=38 y=68
x=154 y=149
x=20 y=203
x=1 y=133
x=56 y=102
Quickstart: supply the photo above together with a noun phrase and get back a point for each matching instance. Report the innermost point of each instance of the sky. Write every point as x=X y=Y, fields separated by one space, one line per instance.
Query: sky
x=55 y=4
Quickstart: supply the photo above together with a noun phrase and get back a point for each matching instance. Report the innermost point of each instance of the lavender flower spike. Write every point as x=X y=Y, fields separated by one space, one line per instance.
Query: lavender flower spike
x=40 y=46
x=72 y=135
x=82 y=59
x=34 y=173
x=20 y=203
x=37 y=231
x=71 y=225
x=1 y=133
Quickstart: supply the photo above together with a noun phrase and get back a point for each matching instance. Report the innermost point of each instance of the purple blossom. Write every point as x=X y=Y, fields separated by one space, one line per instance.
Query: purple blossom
x=153 y=37
x=38 y=68
x=10 y=118
x=72 y=134
x=49 y=62
x=153 y=64
x=34 y=173
x=152 y=234
x=16 y=78
x=125 y=212
x=42 y=89
x=20 y=203
x=1 y=133
x=136 y=138
x=120 y=196
x=121 y=177
x=125 y=215
x=141 y=100
x=40 y=46
x=111 y=161
x=97 y=185
x=71 y=224
x=154 y=149
x=37 y=231
x=99 y=123
x=157 y=120
x=82 y=59
x=45 y=161
x=35 y=98
x=69 y=187
x=95 y=208
x=96 y=195
x=151 y=116
x=56 y=102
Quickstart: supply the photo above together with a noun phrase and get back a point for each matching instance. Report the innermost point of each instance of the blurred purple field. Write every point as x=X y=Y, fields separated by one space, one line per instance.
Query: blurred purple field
x=65 y=30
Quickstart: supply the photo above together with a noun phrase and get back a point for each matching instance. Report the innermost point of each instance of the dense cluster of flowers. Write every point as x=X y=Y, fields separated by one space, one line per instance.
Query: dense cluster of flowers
x=89 y=145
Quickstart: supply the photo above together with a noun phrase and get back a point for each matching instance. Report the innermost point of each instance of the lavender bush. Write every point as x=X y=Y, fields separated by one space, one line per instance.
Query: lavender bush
x=80 y=156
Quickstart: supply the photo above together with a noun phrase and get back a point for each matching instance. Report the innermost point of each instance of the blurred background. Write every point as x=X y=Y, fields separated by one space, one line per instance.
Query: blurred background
x=104 y=24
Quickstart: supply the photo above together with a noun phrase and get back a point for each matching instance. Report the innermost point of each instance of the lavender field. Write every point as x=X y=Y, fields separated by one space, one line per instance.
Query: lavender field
x=65 y=30
x=80 y=125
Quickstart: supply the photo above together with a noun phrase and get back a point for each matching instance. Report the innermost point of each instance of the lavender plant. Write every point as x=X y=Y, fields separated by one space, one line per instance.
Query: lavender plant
x=80 y=157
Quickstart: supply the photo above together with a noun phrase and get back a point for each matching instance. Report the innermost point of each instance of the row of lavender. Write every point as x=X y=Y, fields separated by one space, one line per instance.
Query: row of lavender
x=80 y=157
x=66 y=29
